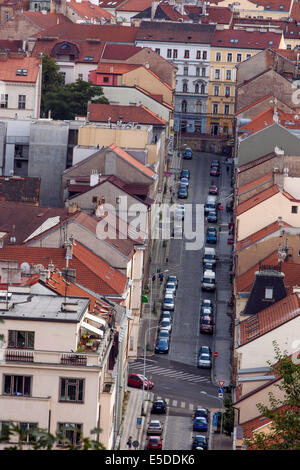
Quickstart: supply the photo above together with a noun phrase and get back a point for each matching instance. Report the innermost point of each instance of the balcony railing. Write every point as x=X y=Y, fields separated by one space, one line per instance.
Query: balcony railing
x=18 y=356
x=73 y=360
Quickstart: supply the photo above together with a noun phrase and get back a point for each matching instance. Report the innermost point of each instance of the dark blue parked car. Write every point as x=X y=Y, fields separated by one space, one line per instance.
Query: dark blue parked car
x=212 y=217
x=182 y=192
x=211 y=235
x=200 y=424
x=188 y=153
x=185 y=173
x=162 y=346
x=200 y=441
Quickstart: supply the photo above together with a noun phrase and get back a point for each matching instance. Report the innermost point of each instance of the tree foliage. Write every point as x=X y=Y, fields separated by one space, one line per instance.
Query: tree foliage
x=66 y=101
x=39 y=439
x=284 y=433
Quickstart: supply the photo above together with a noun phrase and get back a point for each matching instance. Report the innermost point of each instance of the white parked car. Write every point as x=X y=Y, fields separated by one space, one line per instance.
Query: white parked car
x=168 y=302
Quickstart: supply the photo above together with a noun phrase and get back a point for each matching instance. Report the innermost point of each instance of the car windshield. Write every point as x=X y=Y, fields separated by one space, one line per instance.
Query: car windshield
x=168 y=300
x=165 y=323
x=206 y=321
x=205 y=357
x=154 y=424
x=153 y=441
x=208 y=280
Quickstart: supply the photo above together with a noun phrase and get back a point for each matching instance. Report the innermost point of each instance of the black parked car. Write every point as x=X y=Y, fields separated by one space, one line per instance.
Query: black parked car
x=159 y=406
x=200 y=441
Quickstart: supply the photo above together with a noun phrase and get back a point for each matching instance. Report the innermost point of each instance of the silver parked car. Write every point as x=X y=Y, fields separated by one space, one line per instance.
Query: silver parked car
x=168 y=302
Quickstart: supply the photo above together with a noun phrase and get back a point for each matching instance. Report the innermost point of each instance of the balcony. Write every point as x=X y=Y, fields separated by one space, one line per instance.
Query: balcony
x=73 y=360
x=18 y=356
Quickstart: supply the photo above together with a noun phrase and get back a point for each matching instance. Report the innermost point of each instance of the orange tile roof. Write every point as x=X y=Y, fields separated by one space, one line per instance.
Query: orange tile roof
x=243 y=283
x=270 y=318
x=92 y=271
x=88 y=10
x=257 y=199
x=266 y=118
x=132 y=161
x=255 y=183
x=254 y=40
x=135 y=5
x=260 y=234
x=47 y=20
x=115 y=68
x=140 y=114
x=9 y=67
x=85 y=49
x=295 y=13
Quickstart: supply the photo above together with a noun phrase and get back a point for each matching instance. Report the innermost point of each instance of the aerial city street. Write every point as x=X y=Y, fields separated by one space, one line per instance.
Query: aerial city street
x=149 y=232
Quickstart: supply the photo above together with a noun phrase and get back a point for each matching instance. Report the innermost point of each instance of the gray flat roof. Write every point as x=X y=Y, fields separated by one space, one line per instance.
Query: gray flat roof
x=39 y=307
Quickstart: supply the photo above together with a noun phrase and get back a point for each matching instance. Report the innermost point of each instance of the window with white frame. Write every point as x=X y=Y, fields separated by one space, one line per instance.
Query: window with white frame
x=217 y=73
x=22 y=102
x=3 y=100
x=228 y=74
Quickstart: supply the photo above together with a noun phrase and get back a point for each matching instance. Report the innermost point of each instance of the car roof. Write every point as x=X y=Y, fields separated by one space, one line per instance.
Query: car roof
x=156 y=421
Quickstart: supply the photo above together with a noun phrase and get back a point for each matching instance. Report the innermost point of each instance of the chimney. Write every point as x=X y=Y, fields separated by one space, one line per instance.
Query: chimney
x=278 y=151
x=44 y=275
x=94 y=178
x=73 y=208
x=154 y=6
x=69 y=274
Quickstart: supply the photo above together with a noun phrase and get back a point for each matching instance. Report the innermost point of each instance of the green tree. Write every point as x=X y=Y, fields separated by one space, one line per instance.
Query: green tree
x=51 y=79
x=284 y=413
x=228 y=419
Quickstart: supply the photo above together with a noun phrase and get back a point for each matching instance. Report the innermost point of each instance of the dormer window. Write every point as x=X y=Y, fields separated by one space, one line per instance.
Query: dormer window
x=22 y=72
x=269 y=293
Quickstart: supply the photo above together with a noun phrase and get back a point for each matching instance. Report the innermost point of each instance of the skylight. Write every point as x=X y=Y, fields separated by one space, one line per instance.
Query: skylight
x=22 y=72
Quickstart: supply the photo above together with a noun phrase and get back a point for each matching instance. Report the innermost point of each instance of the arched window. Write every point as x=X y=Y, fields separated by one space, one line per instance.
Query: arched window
x=202 y=89
x=185 y=87
x=183 y=106
x=197 y=88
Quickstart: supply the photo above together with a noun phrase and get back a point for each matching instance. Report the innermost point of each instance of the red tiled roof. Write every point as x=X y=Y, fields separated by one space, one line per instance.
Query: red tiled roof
x=115 y=68
x=85 y=32
x=132 y=161
x=171 y=12
x=291 y=271
x=85 y=48
x=47 y=20
x=139 y=114
x=88 y=10
x=257 y=199
x=91 y=271
x=20 y=189
x=241 y=39
x=215 y=14
x=270 y=96
x=292 y=31
x=260 y=234
x=188 y=33
x=135 y=5
x=119 y=51
x=287 y=53
x=255 y=183
x=274 y=5
x=8 y=45
x=9 y=67
x=266 y=118
x=295 y=13
x=270 y=318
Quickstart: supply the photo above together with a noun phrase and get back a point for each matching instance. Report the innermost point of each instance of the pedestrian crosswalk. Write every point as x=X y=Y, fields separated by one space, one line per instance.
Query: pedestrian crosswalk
x=138 y=366
x=172 y=403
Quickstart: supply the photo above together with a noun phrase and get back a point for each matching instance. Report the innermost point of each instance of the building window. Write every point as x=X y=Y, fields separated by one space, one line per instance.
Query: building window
x=202 y=89
x=198 y=55
x=294 y=209
x=248 y=56
x=185 y=71
x=63 y=74
x=3 y=101
x=169 y=53
x=204 y=55
x=6 y=13
x=288 y=46
x=131 y=343
x=186 y=54
x=239 y=57
x=197 y=72
x=217 y=73
x=27 y=432
x=183 y=106
x=105 y=79
x=157 y=50
x=19 y=385
x=197 y=88
x=203 y=72
x=269 y=293
x=229 y=57
x=175 y=52
x=70 y=432
x=226 y=108
x=215 y=108
x=21 y=339
x=228 y=74
x=218 y=56
x=71 y=390
x=4 y=430
x=80 y=76
x=22 y=102
x=184 y=87
x=227 y=91
x=216 y=91
x=198 y=107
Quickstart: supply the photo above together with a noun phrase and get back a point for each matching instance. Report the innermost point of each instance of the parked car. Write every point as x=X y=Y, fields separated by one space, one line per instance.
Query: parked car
x=166 y=324
x=199 y=411
x=204 y=360
x=185 y=173
x=184 y=181
x=200 y=424
x=206 y=325
x=215 y=163
x=211 y=235
x=187 y=153
x=205 y=349
x=200 y=441
x=159 y=406
x=212 y=217
x=154 y=428
x=137 y=380
x=154 y=442
x=214 y=171
x=179 y=212
x=213 y=189
x=206 y=312
x=182 y=192
x=177 y=231
x=208 y=267
x=172 y=278
x=207 y=303
x=168 y=302
x=166 y=315
x=162 y=346
x=163 y=334
x=171 y=286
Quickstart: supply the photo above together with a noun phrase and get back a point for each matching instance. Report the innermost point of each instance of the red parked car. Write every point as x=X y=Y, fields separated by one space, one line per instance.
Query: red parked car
x=137 y=380
x=213 y=189
x=154 y=442
x=207 y=324
x=214 y=171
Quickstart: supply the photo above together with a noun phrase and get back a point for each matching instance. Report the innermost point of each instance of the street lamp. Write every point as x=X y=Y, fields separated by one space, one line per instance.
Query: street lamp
x=222 y=408
x=148 y=329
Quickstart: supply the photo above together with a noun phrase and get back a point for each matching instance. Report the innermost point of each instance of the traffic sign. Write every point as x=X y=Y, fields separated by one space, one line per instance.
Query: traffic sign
x=216 y=354
x=135 y=444
x=221 y=382
x=221 y=390
x=139 y=422
x=220 y=395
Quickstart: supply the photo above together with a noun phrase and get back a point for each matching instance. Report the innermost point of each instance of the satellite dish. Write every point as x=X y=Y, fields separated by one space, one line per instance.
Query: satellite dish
x=25 y=268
